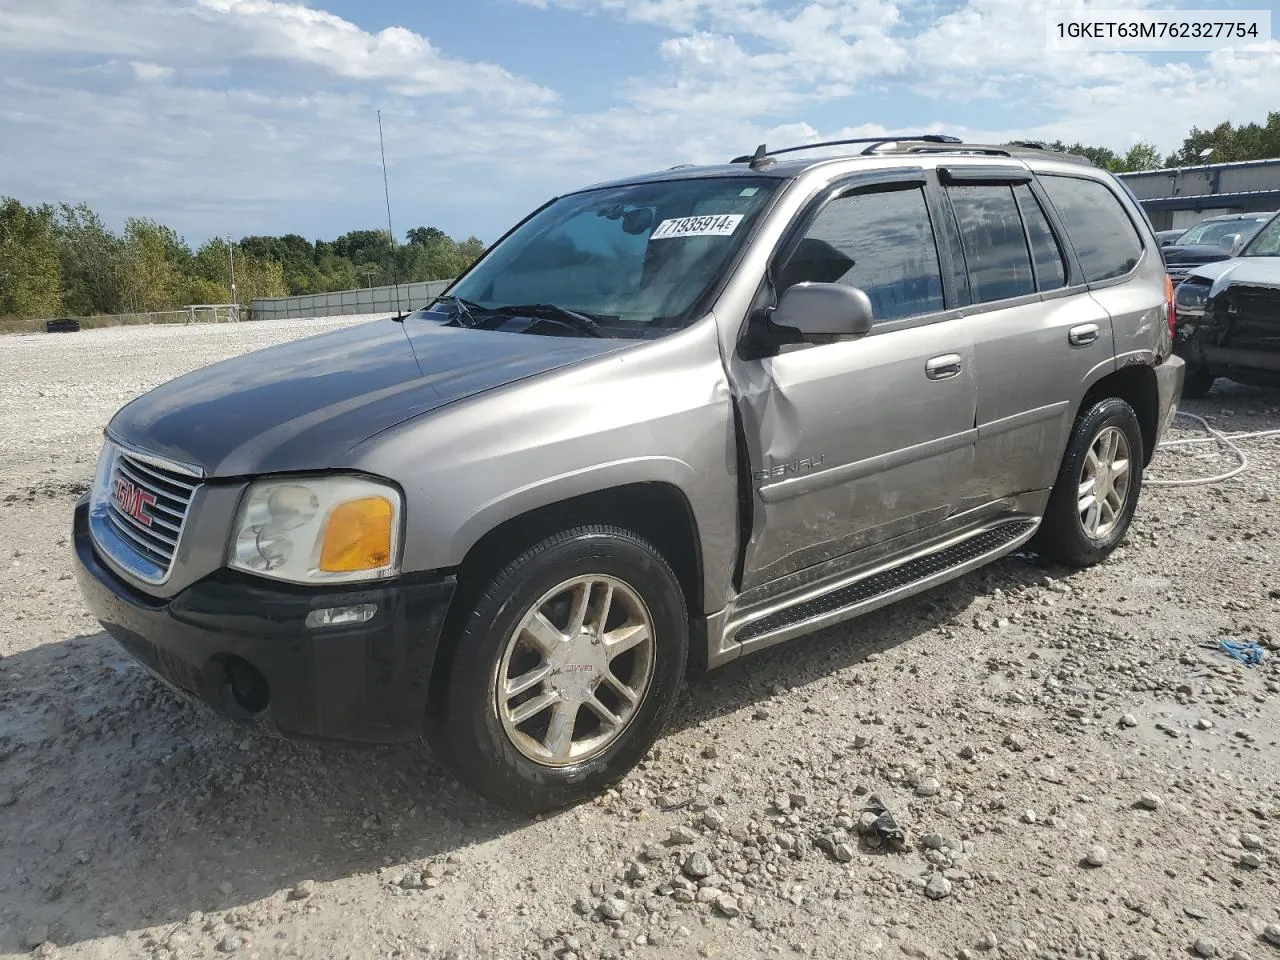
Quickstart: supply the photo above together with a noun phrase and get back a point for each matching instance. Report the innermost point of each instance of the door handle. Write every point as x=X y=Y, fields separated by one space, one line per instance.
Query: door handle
x=1083 y=335
x=944 y=367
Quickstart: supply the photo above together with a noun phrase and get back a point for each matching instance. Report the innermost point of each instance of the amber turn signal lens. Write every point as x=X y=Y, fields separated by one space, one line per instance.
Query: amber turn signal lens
x=358 y=536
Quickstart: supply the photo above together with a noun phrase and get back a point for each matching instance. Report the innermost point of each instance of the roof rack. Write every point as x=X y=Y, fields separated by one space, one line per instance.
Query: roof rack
x=763 y=158
x=763 y=153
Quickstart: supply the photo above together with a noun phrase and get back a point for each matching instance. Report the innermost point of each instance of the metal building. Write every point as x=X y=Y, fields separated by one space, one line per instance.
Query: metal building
x=1183 y=196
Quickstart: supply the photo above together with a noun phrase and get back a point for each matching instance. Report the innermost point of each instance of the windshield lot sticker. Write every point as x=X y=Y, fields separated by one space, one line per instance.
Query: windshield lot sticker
x=719 y=226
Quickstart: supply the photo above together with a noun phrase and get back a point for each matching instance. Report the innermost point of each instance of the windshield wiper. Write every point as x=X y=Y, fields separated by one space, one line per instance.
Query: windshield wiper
x=553 y=313
x=462 y=310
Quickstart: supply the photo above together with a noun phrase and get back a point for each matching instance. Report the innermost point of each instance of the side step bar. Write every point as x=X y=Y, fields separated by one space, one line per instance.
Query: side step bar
x=867 y=590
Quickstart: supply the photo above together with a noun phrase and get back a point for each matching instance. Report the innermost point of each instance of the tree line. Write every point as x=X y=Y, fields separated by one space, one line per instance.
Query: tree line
x=62 y=259
x=1227 y=143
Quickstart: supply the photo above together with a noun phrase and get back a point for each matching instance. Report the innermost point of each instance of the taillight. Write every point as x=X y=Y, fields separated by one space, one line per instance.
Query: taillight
x=1169 y=304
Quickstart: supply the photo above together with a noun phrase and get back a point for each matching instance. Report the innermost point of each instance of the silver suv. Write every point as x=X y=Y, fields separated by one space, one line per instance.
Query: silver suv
x=668 y=420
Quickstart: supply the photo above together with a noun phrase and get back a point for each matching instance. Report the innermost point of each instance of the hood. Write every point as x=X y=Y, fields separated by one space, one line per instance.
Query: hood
x=303 y=405
x=1254 y=271
x=1194 y=253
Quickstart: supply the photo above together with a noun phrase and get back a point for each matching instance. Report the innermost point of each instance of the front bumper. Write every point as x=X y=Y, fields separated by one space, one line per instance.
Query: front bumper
x=366 y=683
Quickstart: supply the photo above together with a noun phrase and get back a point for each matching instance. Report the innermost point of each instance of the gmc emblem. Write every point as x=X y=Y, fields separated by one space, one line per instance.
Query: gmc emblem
x=133 y=501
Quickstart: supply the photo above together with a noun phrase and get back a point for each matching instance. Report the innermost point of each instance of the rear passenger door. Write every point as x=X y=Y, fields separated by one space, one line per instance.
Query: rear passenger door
x=1037 y=334
x=1102 y=227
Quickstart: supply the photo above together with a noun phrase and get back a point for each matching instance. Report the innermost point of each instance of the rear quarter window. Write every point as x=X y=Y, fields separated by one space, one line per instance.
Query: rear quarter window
x=1105 y=238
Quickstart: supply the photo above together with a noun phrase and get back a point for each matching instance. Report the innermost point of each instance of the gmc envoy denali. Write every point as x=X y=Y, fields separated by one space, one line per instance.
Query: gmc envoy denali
x=668 y=420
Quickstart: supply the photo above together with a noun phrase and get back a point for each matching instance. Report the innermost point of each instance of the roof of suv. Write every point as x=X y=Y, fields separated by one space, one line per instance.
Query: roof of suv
x=767 y=163
x=1253 y=215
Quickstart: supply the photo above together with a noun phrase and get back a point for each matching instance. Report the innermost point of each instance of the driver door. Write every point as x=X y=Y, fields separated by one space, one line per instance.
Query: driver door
x=857 y=442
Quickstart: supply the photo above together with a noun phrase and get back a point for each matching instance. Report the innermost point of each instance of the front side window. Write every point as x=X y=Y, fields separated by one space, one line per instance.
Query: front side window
x=994 y=244
x=1267 y=242
x=881 y=243
x=634 y=259
x=1105 y=239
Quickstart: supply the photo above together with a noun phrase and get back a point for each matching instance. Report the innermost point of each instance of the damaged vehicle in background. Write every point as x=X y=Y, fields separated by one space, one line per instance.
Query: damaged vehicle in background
x=1210 y=240
x=1228 y=317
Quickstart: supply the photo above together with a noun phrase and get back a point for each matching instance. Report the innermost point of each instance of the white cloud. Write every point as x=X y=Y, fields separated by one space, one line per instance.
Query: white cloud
x=280 y=31
x=151 y=71
x=258 y=115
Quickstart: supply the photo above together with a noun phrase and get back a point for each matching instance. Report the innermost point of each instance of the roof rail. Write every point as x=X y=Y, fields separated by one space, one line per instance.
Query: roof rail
x=763 y=153
x=763 y=158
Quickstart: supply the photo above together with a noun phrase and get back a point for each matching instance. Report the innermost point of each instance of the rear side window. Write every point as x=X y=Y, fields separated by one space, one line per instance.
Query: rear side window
x=1105 y=239
x=881 y=243
x=995 y=247
x=1046 y=255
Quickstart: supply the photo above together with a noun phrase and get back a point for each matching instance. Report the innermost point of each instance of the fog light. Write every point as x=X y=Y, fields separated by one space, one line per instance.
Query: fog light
x=341 y=616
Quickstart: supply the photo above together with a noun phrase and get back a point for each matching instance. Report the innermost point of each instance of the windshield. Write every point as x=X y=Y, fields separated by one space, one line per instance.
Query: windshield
x=634 y=259
x=1267 y=242
x=1211 y=231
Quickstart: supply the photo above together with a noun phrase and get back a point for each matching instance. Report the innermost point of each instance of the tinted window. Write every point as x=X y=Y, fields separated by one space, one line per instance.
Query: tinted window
x=1267 y=242
x=1105 y=239
x=881 y=243
x=995 y=248
x=1046 y=255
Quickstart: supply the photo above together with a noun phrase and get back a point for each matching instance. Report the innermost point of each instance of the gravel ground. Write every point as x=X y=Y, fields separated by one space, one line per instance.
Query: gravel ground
x=1071 y=767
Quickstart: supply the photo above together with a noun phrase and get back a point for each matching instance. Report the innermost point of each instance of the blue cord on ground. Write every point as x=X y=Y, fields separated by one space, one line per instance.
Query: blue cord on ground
x=1246 y=651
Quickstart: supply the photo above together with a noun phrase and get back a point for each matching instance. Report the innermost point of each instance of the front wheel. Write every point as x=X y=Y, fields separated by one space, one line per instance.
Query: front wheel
x=1096 y=493
x=566 y=670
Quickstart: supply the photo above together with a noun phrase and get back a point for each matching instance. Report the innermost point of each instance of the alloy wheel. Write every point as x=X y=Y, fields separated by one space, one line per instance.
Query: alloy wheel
x=575 y=670
x=1104 y=483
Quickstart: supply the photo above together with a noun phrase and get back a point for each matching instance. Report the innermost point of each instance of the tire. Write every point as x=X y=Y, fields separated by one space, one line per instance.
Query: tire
x=1198 y=382
x=502 y=758
x=1063 y=537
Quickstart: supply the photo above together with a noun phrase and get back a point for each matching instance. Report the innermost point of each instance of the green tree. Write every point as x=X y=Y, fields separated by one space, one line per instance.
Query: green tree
x=156 y=259
x=1229 y=143
x=93 y=262
x=262 y=278
x=1141 y=156
x=426 y=236
x=30 y=269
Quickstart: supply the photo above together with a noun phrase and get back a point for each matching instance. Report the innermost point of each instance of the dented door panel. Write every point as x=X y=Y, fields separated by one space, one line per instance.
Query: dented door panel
x=852 y=443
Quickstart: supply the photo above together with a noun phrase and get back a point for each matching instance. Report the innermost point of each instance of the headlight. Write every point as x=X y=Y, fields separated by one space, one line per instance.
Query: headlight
x=318 y=530
x=100 y=492
x=1192 y=296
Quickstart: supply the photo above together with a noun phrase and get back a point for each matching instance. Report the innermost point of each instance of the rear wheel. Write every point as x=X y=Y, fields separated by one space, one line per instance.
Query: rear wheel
x=1198 y=382
x=566 y=670
x=1097 y=489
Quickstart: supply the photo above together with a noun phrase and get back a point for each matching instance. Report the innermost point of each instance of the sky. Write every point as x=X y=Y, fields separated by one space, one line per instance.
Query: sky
x=260 y=116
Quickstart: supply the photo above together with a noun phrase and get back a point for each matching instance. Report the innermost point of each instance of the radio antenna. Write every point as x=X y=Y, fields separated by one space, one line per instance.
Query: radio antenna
x=386 y=189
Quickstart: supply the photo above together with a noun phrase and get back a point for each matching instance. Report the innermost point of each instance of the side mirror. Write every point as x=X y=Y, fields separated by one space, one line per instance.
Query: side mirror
x=1230 y=243
x=824 y=311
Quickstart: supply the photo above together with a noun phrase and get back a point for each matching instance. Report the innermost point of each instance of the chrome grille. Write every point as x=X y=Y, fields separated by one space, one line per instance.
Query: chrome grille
x=147 y=504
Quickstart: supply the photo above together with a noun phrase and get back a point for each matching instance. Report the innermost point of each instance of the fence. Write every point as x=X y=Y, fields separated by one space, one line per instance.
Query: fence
x=196 y=313
x=370 y=300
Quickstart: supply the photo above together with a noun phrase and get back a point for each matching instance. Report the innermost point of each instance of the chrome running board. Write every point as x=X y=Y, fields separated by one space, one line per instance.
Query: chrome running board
x=850 y=595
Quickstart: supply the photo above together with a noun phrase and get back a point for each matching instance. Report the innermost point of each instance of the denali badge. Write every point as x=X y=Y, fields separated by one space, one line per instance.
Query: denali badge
x=795 y=466
x=133 y=501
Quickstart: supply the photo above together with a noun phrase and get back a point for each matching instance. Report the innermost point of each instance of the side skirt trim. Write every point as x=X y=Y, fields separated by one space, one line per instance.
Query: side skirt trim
x=732 y=634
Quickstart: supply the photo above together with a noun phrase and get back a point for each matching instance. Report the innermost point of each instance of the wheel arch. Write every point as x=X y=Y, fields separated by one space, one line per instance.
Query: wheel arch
x=1137 y=386
x=657 y=511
